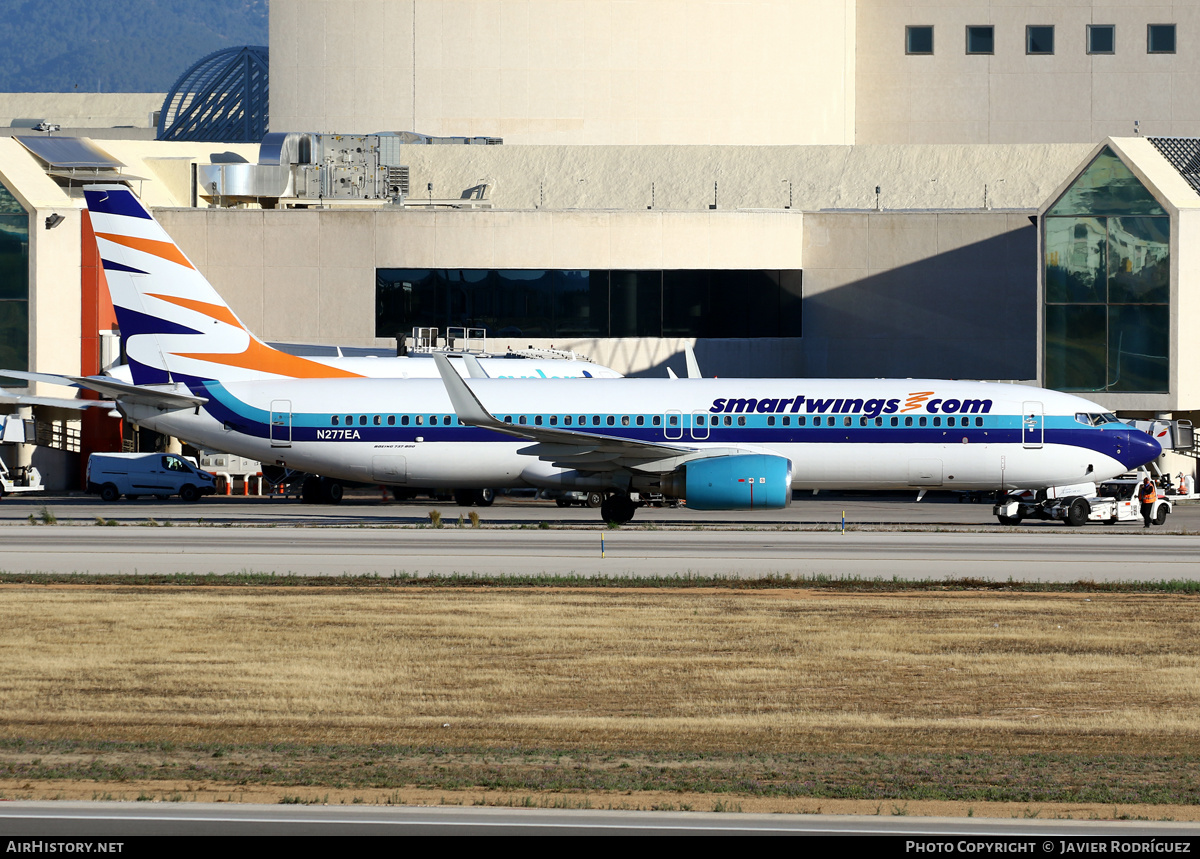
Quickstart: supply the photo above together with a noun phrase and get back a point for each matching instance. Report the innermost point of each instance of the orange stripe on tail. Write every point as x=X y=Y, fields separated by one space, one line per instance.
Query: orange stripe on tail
x=162 y=250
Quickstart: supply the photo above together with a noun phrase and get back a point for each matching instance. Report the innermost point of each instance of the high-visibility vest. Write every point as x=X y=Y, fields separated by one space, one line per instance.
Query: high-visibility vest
x=1146 y=493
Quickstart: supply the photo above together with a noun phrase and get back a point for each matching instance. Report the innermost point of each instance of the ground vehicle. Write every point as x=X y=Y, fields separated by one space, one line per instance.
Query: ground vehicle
x=26 y=479
x=111 y=475
x=1111 y=502
x=567 y=498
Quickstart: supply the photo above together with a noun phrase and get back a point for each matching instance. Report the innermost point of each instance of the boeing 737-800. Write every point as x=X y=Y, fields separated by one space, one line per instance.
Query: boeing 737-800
x=717 y=443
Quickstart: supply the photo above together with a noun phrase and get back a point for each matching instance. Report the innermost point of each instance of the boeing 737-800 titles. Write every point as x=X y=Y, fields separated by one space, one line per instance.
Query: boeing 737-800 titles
x=717 y=443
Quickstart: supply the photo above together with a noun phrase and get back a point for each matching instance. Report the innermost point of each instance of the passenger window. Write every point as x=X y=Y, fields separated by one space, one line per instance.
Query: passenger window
x=862 y=422
x=922 y=421
x=641 y=420
x=595 y=420
x=728 y=420
x=334 y=420
x=433 y=420
x=741 y=420
x=538 y=420
x=978 y=422
x=404 y=420
x=362 y=420
x=554 y=420
x=624 y=420
x=771 y=421
x=508 y=419
x=522 y=419
x=567 y=420
x=878 y=422
x=895 y=422
x=787 y=421
x=612 y=420
x=673 y=420
x=349 y=420
x=937 y=422
x=582 y=420
x=391 y=420
x=846 y=422
x=801 y=421
x=908 y=422
x=656 y=420
x=949 y=422
x=448 y=420
x=377 y=420
x=420 y=420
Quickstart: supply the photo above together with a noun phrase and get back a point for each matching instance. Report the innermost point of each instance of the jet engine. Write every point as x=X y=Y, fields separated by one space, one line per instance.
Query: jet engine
x=751 y=481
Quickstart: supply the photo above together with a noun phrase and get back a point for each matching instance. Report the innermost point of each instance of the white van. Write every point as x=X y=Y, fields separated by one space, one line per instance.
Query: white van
x=111 y=475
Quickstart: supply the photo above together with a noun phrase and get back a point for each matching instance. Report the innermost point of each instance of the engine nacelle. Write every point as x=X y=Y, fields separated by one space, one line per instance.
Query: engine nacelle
x=751 y=481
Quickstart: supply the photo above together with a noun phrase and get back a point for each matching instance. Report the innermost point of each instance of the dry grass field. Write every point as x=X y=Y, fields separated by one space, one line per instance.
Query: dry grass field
x=1053 y=697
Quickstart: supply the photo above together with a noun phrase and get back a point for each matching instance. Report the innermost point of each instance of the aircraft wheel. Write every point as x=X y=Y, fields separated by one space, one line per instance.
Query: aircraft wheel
x=331 y=491
x=1009 y=520
x=1160 y=518
x=562 y=502
x=109 y=492
x=595 y=499
x=310 y=490
x=1077 y=512
x=485 y=497
x=189 y=494
x=618 y=508
x=464 y=497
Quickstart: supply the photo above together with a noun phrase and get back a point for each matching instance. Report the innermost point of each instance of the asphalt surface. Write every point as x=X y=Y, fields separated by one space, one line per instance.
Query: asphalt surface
x=886 y=537
x=114 y=820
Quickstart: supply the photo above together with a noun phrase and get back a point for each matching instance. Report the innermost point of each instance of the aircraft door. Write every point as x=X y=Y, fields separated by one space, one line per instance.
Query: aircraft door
x=700 y=424
x=1033 y=424
x=281 y=423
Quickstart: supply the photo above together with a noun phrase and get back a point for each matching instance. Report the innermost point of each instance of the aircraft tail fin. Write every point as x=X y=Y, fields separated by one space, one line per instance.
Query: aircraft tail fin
x=175 y=326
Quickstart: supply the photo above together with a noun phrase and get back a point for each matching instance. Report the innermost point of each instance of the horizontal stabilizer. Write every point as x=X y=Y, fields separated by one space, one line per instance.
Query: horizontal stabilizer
x=142 y=395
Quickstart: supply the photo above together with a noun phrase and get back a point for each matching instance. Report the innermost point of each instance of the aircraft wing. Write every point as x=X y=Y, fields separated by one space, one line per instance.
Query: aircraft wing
x=565 y=447
x=12 y=398
x=142 y=395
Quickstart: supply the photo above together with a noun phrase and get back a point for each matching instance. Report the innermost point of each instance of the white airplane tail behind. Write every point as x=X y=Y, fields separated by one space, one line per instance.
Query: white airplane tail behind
x=174 y=324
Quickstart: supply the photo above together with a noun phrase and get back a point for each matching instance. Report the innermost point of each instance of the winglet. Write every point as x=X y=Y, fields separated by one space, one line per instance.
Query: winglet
x=693 y=367
x=671 y=374
x=466 y=405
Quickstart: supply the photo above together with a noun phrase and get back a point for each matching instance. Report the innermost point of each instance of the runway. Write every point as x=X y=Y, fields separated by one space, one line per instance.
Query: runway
x=115 y=820
x=1058 y=555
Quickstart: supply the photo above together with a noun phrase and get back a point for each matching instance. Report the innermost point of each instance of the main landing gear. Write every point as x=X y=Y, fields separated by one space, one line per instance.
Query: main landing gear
x=320 y=490
x=618 y=507
x=477 y=497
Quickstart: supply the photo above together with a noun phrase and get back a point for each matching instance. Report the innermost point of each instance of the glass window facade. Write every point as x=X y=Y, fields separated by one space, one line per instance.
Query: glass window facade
x=14 y=286
x=918 y=40
x=981 y=40
x=590 y=303
x=1108 y=284
x=1039 y=39
x=1101 y=39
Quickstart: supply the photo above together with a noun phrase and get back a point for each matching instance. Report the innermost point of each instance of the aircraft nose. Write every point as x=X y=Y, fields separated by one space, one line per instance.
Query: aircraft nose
x=1140 y=449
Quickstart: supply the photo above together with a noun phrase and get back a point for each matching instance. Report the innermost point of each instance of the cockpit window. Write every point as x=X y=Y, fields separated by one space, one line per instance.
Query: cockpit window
x=1095 y=419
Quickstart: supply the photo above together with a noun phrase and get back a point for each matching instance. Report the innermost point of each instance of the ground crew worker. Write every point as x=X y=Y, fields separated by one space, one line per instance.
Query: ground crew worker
x=1146 y=497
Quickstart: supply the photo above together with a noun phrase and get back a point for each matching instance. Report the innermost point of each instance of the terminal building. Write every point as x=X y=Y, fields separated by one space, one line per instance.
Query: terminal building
x=821 y=188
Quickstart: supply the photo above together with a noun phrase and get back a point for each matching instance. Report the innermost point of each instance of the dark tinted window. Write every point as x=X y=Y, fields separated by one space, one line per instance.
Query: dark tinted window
x=1102 y=38
x=1160 y=38
x=1039 y=40
x=981 y=40
x=918 y=40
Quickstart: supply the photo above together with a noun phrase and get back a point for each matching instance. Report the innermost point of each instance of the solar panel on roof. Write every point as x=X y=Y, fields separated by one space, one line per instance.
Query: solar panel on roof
x=63 y=152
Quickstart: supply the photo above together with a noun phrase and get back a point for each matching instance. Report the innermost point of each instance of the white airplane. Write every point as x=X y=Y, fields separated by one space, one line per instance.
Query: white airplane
x=720 y=444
